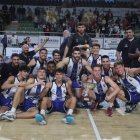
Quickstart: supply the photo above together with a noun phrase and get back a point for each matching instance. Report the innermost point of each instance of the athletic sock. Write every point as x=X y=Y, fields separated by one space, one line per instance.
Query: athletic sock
x=70 y=111
x=42 y=112
x=13 y=109
x=110 y=104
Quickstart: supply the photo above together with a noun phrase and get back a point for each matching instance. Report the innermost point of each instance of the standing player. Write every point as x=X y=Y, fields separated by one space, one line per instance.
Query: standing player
x=57 y=96
x=94 y=57
x=74 y=68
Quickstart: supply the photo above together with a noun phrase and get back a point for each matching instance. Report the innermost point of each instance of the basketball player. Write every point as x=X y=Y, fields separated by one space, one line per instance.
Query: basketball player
x=60 y=98
x=10 y=87
x=130 y=81
x=30 y=102
x=38 y=62
x=105 y=89
x=74 y=68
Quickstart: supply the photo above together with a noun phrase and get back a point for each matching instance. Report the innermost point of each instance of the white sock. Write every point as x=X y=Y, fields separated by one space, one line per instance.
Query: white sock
x=70 y=111
x=42 y=112
x=110 y=104
x=13 y=109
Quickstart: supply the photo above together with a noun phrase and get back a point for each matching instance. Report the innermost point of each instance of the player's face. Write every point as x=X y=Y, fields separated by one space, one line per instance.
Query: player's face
x=81 y=29
x=95 y=50
x=41 y=74
x=25 y=48
x=105 y=63
x=77 y=55
x=96 y=71
x=119 y=69
x=56 y=57
x=59 y=76
x=15 y=61
x=129 y=34
x=43 y=55
x=51 y=68
x=24 y=74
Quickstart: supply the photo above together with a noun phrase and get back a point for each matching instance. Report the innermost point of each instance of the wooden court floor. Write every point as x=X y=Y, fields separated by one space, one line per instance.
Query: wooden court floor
x=88 y=126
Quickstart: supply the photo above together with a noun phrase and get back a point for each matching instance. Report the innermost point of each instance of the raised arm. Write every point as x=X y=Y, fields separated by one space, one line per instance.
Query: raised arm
x=41 y=45
x=62 y=63
x=87 y=66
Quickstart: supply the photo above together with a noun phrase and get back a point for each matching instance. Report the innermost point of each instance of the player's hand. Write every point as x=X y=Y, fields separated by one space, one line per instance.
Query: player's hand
x=108 y=98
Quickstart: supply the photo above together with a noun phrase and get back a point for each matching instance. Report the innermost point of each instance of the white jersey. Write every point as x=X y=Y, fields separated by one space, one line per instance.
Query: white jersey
x=10 y=92
x=93 y=61
x=131 y=84
x=34 y=92
x=108 y=73
x=49 y=78
x=101 y=86
x=74 y=69
x=38 y=65
x=58 y=92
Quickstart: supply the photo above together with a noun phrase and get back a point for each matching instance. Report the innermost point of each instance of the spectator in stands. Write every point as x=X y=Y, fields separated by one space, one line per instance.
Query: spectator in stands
x=66 y=35
x=124 y=45
x=134 y=54
x=11 y=68
x=80 y=39
x=4 y=42
x=27 y=55
x=14 y=40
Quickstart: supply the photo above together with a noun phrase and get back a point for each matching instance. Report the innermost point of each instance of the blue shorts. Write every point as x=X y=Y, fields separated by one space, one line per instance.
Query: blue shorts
x=57 y=106
x=134 y=97
x=76 y=84
x=100 y=97
x=29 y=103
x=6 y=101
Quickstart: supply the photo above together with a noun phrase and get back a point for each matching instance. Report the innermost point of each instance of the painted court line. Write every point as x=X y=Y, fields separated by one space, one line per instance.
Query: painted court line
x=95 y=129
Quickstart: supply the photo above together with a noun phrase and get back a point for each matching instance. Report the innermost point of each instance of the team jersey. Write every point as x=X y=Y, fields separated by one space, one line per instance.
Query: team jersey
x=74 y=69
x=10 y=92
x=49 y=78
x=131 y=84
x=35 y=91
x=58 y=92
x=101 y=87
x=38 y=65
x=107 y=73
x=93 y=61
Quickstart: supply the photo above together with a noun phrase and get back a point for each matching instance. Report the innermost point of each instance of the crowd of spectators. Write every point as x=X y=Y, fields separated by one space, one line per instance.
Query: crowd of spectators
x=58 y=19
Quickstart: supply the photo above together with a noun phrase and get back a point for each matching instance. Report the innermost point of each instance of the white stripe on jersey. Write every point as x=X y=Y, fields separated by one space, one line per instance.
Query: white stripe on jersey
x=91 y=59
x=54 y=95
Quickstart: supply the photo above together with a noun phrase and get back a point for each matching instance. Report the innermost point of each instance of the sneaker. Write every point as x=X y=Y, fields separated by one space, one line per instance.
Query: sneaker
x=109 y=111
x=40 y=119
x=1 y=117
x=69 y=119
x=8 y=115
x=94 y=105
x=130 y=107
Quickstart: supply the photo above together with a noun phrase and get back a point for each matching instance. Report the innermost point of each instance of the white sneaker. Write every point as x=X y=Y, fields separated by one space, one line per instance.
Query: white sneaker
x=1 y=117
x=8 y=115
x=40 y=119
x=69 y=119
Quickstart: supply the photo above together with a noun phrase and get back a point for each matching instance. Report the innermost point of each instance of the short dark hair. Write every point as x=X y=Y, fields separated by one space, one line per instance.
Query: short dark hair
x=80 y=24
x=104 y=56
x=59 y=70
x=51 y=62
x=43 y=50
x=56 y=51
x=76 y=49
x=97 y=65
x=24 y=68
x=129 y=28
x=96 y=44
x=14 y=55
x=118 y=63
x=42 y=68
